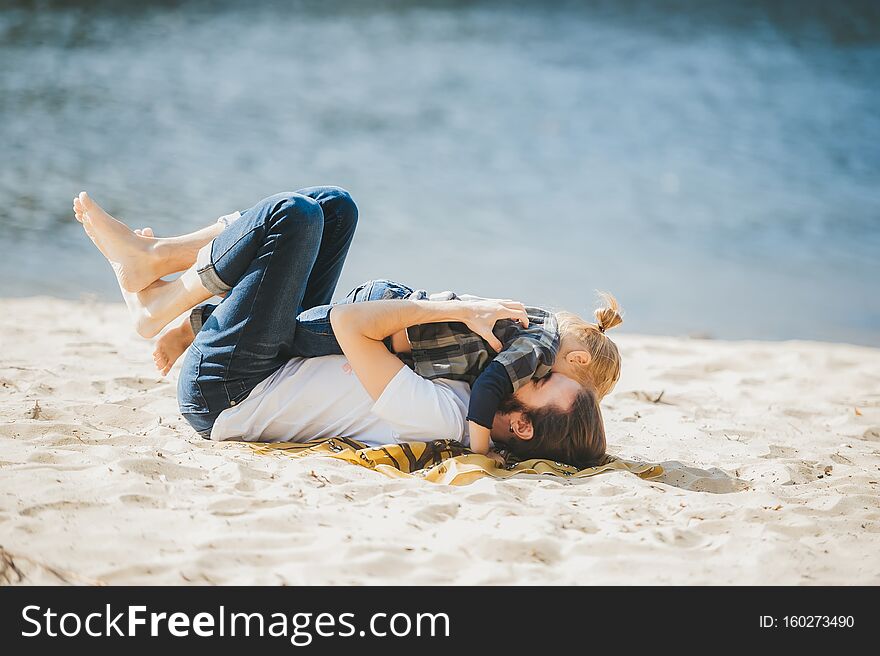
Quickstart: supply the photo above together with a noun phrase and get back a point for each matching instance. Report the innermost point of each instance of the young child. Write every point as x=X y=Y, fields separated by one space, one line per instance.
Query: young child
x=561 y=343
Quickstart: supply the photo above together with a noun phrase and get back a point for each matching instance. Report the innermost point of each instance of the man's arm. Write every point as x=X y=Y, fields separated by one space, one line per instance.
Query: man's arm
x=360 y=328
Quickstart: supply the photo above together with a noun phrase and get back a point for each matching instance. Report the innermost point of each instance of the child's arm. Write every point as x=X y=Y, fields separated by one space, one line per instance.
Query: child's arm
x=480 y=437
x=488 y=391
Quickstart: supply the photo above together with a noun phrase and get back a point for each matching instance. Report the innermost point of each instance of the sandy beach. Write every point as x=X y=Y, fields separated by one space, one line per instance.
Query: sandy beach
x=771 y=452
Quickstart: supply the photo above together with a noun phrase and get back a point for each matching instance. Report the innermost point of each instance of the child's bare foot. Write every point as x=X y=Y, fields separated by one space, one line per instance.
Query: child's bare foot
x=132 y=256
x=147 y=308
x=143 y=305
x=171 y=346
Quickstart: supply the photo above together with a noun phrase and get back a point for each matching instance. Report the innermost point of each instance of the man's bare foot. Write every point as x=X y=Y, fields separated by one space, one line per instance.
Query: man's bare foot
x=132 y=256
x=171 y=346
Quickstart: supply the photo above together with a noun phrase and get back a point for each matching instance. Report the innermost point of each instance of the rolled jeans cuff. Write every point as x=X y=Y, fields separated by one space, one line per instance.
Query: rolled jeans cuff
x=196 y=319
x=207 y=273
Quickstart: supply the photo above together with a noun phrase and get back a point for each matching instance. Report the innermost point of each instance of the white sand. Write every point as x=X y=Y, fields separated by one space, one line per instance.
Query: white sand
x=772 y=453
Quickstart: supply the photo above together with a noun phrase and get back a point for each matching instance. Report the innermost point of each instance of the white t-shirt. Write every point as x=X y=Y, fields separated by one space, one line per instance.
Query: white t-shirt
x=310 y=398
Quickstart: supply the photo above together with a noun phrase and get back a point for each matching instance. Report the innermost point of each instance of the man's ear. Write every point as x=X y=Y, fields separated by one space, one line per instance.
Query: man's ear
x=522 y=426
x=581 y=358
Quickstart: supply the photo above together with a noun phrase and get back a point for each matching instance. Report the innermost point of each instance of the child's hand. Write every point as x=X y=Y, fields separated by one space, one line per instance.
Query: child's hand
x=480 y=317
x=499 y=459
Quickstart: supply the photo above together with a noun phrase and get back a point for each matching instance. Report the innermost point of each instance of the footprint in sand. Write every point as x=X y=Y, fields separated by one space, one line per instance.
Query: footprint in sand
x=777 y=451
x=541 y=551
x=438 y=512
x=577 y=522
x=680 y=538
x=153 y=469
x=73 y=506
x=134 y=382
x=714 y=480
x=142 y=501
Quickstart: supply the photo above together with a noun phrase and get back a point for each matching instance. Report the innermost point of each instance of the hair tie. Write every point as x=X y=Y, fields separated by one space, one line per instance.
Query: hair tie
x=601 y=328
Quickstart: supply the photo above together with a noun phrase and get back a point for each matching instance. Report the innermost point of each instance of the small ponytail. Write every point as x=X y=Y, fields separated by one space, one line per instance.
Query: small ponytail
x=603 y=370
x=609 y=316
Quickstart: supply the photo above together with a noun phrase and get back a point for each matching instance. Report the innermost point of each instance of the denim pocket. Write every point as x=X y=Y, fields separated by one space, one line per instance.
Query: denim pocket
x=238 y=390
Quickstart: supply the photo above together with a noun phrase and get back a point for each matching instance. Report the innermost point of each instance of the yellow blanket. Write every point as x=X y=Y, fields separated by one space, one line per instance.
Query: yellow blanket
x=444 y=461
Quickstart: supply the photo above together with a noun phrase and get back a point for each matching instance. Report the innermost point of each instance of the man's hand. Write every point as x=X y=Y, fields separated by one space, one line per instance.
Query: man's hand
x=481 y=316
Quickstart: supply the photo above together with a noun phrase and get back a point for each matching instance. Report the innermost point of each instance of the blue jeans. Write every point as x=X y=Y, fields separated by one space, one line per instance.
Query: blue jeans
x=283 y=256
x=314 y=334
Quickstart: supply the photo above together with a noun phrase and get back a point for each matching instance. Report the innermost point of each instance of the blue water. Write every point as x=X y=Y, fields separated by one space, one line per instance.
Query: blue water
x=716 y=165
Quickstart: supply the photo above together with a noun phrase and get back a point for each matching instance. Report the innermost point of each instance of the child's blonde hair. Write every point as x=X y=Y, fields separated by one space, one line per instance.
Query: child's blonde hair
x=603 y=370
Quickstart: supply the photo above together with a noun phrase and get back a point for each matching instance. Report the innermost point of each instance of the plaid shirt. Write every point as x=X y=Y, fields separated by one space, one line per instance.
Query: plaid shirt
x=451 y=350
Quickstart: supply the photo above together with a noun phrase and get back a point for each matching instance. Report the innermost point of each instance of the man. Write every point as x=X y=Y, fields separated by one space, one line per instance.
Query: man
x=242 y=379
